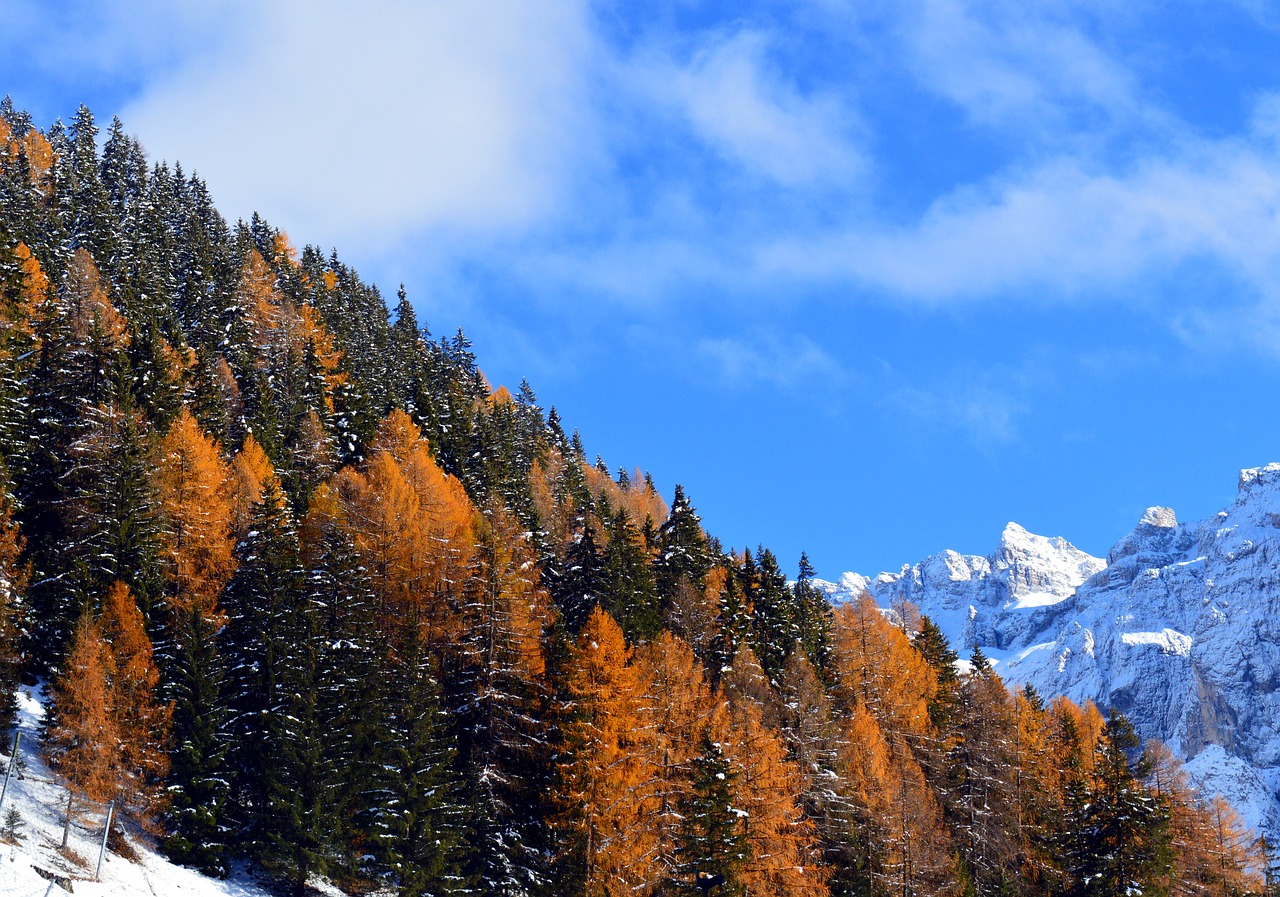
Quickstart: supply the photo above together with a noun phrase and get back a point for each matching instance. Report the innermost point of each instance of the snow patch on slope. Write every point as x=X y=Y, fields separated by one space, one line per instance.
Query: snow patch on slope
x=1167 y=640
x=40 y=800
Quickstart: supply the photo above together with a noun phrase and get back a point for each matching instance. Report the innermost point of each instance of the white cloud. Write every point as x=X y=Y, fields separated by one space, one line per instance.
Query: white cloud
x=987 y=410
x=753 y=116
x=1014 y=63
x=367 y=122
x=1070 y=226
x=524 y=144
x=788 y=362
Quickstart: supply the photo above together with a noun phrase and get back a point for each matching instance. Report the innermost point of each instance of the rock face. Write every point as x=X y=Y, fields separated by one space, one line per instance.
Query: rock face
x=1179 y=628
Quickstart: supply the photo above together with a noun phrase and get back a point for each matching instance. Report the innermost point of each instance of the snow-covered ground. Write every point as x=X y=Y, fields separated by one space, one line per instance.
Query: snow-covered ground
x=40 y=800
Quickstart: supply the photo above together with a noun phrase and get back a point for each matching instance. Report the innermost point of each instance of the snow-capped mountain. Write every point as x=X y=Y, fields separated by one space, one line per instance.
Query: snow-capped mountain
x=1179 y=628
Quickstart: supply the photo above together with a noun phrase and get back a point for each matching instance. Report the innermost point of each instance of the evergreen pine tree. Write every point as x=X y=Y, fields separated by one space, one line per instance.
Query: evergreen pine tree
x=626 y=587
x=579 y=587
x=1122 y=827
x=260 y=601
x=814 y=618
x=713 y=841
x=774 y=627
x=497 y=692
x=198 y=785
x=416 y=818
x=733 y=625
x=682 y=550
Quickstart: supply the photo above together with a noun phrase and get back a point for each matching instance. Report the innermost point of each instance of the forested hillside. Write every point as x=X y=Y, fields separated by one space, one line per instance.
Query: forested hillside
x=309 y=591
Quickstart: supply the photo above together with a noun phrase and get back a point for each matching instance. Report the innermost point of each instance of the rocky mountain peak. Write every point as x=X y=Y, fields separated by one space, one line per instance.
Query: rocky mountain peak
x=1159 y=518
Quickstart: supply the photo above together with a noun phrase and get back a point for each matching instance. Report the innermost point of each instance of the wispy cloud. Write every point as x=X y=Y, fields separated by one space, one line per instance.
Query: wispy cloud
x=987 y=417
x=1033 y=67
x=788 y=362
x=753 y=115
x=1069 y=226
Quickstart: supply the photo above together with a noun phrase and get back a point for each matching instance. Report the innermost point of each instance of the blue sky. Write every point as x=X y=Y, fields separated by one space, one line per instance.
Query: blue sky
x=869 y=278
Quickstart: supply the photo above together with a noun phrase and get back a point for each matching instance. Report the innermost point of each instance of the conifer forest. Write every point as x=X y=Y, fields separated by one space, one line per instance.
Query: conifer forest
x=306 y=591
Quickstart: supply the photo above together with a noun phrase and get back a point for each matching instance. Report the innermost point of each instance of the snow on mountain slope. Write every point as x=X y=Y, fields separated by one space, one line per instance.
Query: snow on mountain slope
x=32 y=865
x=1179 y=628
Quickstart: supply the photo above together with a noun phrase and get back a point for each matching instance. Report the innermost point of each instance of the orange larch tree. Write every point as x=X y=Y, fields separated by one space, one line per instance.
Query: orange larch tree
x=142 y=721
x=83 y=736
x=194 y=485
x=768 y=790
x=414 y=528
x=251 y=472
x=13 y=586
x=108 y=735
x=675 y=711
x=880 y=668
x=605 y=804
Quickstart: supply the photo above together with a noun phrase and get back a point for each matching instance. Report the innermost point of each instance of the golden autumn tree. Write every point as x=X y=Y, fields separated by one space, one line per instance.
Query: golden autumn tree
x=631 y=492
x=606 y=801
x=251 y=472
x=1214 y=853
x=142 y=721
x=552 y=498
x=14 y=575
x=94 y=318
x=109 y=734
x=414 y=528
x=26 y=310
x=693 y=611
x=897 y=843
x=1038 y=806
x=26 y=306
x=194 y=485
x=281 y=328
x=879 y=668
x=83 y=735
x=1073 y=733
x=34 y=148
x=676 y=713
x=884 y=678
x=783 y=853
x=507 y=609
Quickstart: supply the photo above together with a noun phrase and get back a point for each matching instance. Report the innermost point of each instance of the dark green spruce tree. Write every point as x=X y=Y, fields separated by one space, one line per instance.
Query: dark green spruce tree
x=198 y=785
x=627 y=588
x=260 y=603
x=580 y=583
x=815 y=619
x=775 y=629
x=1122 y=836
x=712 y=840
x=683 y=557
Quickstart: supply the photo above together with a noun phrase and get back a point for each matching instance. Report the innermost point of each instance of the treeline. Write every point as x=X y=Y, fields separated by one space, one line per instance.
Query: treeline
x=308 y=590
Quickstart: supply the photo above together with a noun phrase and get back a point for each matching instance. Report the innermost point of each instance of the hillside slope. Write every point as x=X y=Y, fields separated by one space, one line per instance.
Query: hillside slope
x=32 y=864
